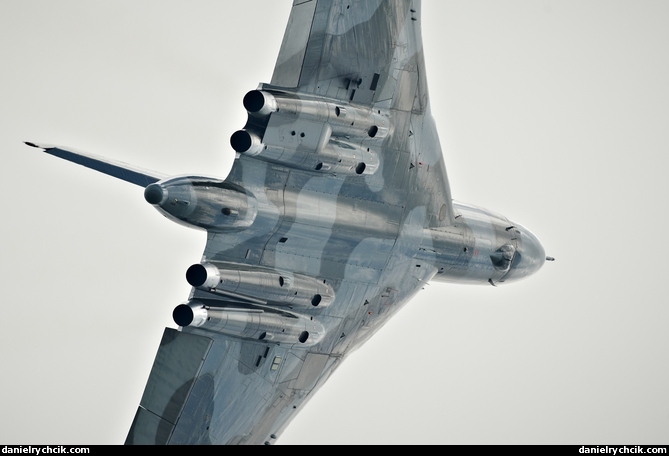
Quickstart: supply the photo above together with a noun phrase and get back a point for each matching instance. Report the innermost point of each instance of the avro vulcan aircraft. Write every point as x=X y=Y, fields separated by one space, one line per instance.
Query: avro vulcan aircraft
x=337 y=210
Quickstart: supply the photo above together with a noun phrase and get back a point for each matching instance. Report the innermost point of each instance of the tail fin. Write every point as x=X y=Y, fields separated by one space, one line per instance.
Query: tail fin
x=119 y=170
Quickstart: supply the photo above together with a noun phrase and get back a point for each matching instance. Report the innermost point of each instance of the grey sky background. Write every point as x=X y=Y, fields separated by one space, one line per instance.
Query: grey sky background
x=555 y=114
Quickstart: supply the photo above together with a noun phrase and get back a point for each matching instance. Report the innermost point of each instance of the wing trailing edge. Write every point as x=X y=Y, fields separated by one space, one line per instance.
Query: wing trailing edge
x=209 y=388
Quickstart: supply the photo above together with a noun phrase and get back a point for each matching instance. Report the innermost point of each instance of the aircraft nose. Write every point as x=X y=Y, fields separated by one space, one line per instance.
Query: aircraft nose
x=154 y=194
x=529 y=258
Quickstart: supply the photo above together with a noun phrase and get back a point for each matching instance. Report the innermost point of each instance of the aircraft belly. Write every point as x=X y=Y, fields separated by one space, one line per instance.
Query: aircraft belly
x=328 y=253
x=335 y=213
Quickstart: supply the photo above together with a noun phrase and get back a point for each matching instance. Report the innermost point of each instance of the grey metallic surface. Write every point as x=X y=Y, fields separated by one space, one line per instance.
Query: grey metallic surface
x=282 y=288
x=299 y=217
x=122 y=171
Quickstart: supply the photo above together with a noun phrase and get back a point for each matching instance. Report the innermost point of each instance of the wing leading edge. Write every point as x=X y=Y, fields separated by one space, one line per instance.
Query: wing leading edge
x=364 y=52
x=369 y=53
x=353 y=232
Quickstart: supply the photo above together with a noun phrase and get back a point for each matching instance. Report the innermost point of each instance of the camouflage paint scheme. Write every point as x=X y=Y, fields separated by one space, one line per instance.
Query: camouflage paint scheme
x=336 y=212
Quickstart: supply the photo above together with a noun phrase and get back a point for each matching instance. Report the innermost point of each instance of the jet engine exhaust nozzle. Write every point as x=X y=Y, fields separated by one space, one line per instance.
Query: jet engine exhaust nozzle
x=250 y=324
x=190 y=314
x=203 y=275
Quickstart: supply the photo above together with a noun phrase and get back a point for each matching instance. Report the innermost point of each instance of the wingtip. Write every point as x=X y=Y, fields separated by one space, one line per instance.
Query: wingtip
x=28 y=143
